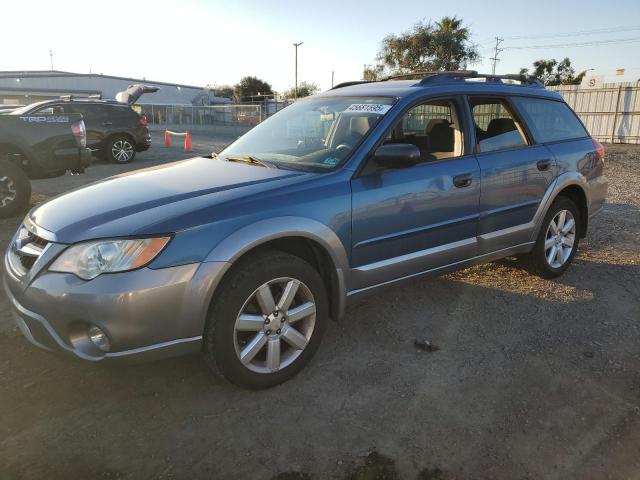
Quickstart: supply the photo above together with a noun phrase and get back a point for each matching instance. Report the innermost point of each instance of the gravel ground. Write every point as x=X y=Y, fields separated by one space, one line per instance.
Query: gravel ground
x=531 y=379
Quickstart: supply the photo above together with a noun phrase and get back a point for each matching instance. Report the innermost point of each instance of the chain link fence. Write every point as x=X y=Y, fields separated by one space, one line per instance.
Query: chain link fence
x=233 y=118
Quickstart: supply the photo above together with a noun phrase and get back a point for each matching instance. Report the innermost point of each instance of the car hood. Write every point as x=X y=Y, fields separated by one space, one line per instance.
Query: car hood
x=154 y=200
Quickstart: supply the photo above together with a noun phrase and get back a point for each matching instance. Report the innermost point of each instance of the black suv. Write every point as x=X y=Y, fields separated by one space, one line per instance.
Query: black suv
x=115 y=131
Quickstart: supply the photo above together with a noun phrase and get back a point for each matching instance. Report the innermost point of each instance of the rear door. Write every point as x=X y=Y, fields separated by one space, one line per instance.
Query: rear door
x=410 y=220
x=97 y=121
x=515 y=173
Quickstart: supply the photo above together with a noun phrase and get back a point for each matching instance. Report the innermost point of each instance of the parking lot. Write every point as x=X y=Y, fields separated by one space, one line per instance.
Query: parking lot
x=531 y=379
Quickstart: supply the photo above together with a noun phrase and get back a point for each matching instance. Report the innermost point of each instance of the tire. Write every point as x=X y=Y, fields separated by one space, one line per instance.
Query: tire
x=15 y=189
x=227 y=336
x=120 y=149
x=538 y=258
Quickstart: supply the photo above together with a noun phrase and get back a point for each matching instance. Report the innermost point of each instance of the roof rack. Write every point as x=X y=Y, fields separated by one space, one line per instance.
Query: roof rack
x=354 y=82
x=70 y=98
x=434 y=77
x=426 y=74
x=427 y=78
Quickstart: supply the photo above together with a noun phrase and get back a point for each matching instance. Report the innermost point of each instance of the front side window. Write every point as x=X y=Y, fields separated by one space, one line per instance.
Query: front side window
x=433 y=127
x=496 y=126
x=550 y=120
x=316 y=134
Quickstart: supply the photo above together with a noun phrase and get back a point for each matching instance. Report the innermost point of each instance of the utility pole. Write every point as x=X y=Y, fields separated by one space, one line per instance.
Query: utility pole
x=496 y=52
x=332 y=72
x=364 y=71
x=296 y=87
x=51 y=58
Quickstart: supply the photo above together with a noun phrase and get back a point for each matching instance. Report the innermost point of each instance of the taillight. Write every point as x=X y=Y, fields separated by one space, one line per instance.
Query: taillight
x=80 y=132
x=599 y=148
x=143 y=120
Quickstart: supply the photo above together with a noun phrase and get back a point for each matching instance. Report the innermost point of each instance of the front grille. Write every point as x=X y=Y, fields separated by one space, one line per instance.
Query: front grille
x=25 y=250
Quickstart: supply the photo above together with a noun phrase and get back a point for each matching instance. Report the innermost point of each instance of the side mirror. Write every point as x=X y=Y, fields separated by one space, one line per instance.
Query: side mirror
x=397 y=155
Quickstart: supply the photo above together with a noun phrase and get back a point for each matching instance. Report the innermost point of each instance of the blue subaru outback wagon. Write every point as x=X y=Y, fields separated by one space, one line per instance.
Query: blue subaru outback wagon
x=245 y=255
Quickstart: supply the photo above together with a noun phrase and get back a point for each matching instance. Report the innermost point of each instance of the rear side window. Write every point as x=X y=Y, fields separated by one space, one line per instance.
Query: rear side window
x=550 y=120
x=496 y=126
x=92 y=111
x=53 y=110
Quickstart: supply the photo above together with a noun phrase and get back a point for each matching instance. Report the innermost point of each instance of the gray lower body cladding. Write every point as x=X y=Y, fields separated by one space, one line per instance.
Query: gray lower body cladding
x=146 y=313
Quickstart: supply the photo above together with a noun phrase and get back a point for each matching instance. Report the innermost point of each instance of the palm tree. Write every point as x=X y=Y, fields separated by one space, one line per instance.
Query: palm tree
x=453 y=49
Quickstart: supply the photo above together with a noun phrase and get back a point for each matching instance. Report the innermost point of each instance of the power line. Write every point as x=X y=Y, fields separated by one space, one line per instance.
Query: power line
x=576 y=44
x=597 y=31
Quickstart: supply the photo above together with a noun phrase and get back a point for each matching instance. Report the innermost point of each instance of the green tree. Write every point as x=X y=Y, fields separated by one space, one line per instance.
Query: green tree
x=226 y=91
x=249 y=87
x=305 y=89
x=372 y=74
x=551 y=72
x=443 y=45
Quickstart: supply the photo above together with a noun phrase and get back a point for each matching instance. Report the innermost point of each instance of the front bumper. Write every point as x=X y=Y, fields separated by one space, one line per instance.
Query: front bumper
x=146 y=313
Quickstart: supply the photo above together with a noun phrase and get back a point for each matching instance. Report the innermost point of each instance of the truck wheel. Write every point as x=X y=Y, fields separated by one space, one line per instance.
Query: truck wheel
x=557 y=241
x=120 y=150
x=15 y=189
x=266 y=321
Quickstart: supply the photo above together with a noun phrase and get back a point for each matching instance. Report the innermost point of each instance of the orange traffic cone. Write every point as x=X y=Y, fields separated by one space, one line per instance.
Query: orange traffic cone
x=187 y=142
x=167 y=138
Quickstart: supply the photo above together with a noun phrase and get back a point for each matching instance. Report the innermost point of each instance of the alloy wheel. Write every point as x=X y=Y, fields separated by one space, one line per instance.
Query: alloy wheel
x=275 y=325
x=7 y=191
x=560 y=239
x=122 y=151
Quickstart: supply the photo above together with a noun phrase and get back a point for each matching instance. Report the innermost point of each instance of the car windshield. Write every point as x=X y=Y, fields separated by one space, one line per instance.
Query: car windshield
x=315 y=134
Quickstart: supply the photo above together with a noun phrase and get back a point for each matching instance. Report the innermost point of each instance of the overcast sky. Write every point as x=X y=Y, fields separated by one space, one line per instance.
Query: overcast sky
x=216 y=42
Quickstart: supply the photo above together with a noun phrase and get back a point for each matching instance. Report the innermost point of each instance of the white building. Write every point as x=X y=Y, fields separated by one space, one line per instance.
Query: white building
x=24 y=87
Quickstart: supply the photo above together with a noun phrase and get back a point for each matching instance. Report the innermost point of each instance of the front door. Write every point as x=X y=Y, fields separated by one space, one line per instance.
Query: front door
x=410 y=220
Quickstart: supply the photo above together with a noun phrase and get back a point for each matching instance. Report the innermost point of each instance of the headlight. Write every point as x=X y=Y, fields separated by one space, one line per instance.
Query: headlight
x=90 y=259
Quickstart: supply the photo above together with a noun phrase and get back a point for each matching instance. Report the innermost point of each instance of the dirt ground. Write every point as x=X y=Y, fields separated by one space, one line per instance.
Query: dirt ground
x=533 y=379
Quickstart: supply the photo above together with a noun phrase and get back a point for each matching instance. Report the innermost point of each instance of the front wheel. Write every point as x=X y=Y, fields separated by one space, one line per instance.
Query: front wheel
x=120 y=150
x=557 y=242
x=266 y=321
x=15 y=189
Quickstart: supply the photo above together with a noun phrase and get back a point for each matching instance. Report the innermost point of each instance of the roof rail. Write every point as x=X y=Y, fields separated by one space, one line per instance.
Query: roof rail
x=433 y=77
x=453 y=75
x=348 y=84
x=427 y=74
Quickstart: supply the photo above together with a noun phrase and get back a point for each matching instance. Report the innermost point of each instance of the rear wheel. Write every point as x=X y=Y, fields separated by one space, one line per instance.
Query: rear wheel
x=120 y=149
x=15 y=189
x=266 y=321
x=557 y=241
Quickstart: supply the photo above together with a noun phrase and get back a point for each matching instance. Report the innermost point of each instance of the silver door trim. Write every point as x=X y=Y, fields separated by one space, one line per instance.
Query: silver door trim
x=487 y=257
x=410 y=263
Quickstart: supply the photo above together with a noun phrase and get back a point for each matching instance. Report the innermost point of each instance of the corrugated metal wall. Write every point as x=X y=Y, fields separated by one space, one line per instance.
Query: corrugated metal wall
x=611 y=113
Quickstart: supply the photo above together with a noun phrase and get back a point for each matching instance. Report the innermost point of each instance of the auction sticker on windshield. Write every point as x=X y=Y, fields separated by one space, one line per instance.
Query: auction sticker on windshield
x=369 y=108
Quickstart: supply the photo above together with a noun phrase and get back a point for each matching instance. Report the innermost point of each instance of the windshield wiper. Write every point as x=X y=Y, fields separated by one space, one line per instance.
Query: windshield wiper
x=251 y=160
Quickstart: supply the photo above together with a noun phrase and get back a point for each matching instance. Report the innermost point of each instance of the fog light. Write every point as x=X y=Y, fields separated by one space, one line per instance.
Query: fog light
x=99 y=338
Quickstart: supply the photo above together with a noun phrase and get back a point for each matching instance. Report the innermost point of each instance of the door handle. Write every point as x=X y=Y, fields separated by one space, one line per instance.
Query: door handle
x=107 y=123
x=463 y=180
x=544 y=165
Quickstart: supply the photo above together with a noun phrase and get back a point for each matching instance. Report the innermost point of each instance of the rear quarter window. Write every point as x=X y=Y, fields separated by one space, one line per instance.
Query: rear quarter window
x=550 y=120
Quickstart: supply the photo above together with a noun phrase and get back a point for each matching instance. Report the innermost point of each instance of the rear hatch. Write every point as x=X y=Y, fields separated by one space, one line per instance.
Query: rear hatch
x=134 y=92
